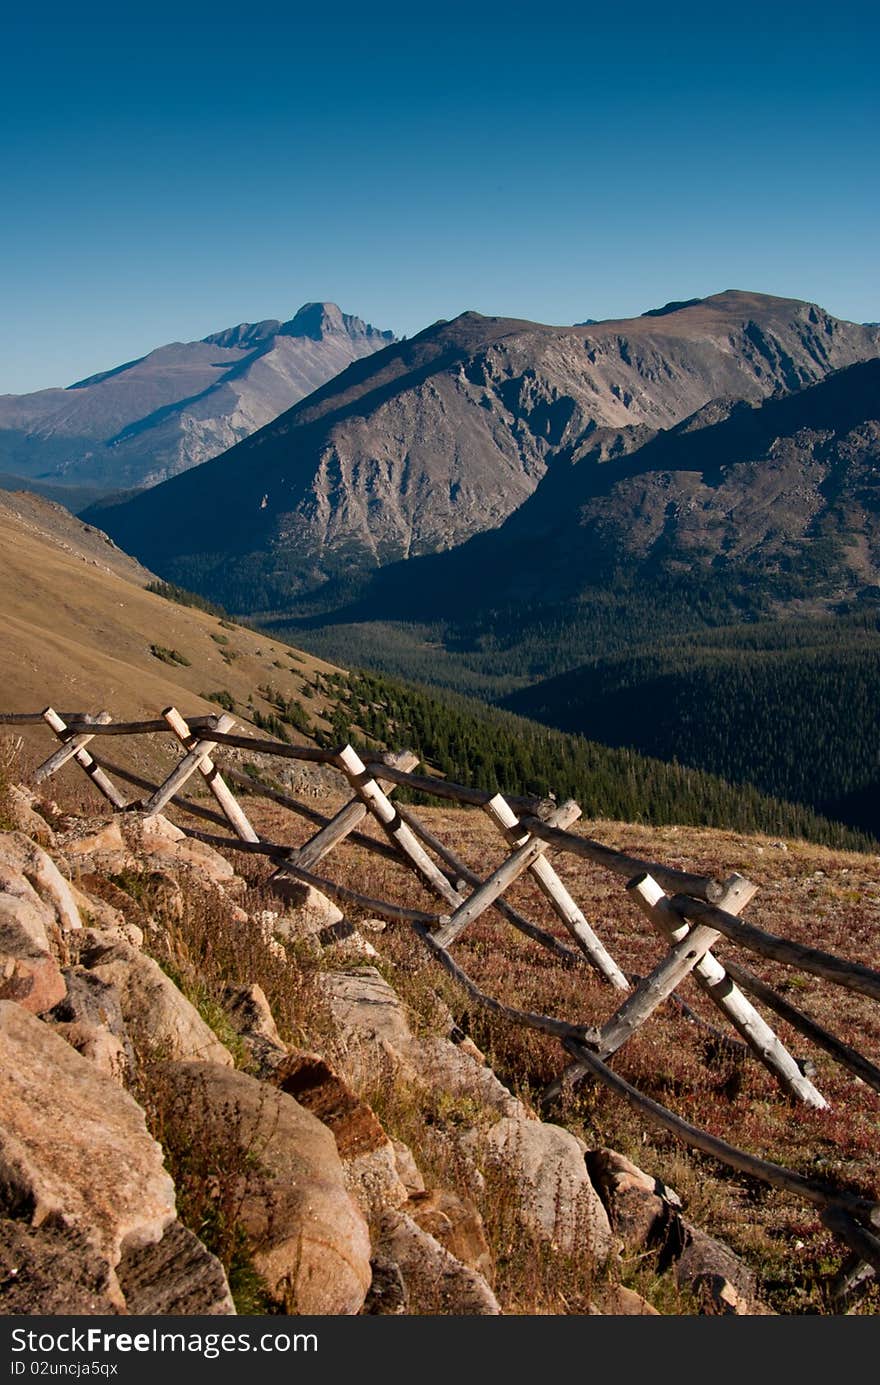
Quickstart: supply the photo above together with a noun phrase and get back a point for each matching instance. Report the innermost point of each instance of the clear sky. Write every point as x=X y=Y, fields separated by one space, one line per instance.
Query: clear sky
x=172 y=169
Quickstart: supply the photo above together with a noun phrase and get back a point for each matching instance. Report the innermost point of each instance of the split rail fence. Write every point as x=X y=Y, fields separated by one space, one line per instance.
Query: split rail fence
x=689 y=912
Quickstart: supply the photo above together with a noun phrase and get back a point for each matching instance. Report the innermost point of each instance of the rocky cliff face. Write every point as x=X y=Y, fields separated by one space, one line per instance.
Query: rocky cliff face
x=180 y=405
x=444 y=437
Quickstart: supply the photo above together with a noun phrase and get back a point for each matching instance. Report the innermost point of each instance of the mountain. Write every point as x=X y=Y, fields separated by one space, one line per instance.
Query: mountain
x=781 y=497
x=181 y=404
x=434 y=440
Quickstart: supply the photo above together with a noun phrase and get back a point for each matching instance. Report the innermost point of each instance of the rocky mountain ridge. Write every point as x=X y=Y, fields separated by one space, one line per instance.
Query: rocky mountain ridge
x=179 y=405
x=445 y=436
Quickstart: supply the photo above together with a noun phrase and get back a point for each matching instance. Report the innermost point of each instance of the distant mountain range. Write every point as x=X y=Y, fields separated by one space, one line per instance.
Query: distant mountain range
x=432 y=441
x=183 y=403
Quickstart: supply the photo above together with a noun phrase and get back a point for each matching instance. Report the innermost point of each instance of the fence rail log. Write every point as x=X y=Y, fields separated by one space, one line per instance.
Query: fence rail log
x=233 y=810
x=367 y=789
x=347 y=819
x=847 y=1056
x=531 y=930
x=699 y=886
x=559 y=1029
x=819 y=1194
x=135 y=728
x=70 y=744
x=82 y=757
x=258 y=745
x=198 y=757
x=712 y=978
x=459 y=793
x=501 y=813
x=258 y=789
x=501 y=879
x=187 y=805
x=851 y=975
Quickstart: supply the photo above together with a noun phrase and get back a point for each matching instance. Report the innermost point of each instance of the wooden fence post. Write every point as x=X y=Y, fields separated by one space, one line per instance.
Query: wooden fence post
x=380 y=805
x=551 y=886
x=74 y=749
x=713 y=979
x=235 y=814
x=503 y=877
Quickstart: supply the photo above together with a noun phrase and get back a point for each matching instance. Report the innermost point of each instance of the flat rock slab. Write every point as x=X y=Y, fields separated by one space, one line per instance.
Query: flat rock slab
x=175 y=1276
x=306 y=1235
x=74 y=1146
x=47 y=1271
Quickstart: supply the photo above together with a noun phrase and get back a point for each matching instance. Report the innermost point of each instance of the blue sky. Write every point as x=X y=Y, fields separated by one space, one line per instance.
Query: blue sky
x=177 y=169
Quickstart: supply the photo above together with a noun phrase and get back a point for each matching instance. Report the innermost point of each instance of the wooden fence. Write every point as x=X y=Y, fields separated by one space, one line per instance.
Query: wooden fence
x=689 y=912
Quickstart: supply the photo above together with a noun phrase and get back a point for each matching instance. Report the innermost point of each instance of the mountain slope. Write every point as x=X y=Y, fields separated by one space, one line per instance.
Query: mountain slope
x=780 y=500
x=444 y=436
x=78 y=630
x=179 y=405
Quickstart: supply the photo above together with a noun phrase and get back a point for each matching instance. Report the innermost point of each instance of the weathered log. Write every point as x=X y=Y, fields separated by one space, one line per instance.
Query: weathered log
x=559 y=1029
x=346 y=820
x=67 y=750
x=382 y=908
x=136 y=728
x=620 y=862
x=261 y=746
x=186 y=767
x=501 y=879
x=85 y=761
x=851 y=975
x=457 y=793
x=258 y=789
x=847 y=1056
x=187 y=805
x=470 y=877
x=715 y=981
x=501 y=813
x=368 y=790
x=819 y=1194
x=233 y=810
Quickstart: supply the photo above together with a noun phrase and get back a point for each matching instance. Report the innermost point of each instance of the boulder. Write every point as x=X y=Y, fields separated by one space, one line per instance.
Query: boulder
x=249 y=1013
x=546 y=1173
x=174 y=1276
x=74 y=1146
x=305 y=1234
x=372 y=1023
x=456 y=1223
x=160 y=1021
x=48 y=1271
x=29 y=974
x=368 y=1156
x=308 y=911
x=387 y=1293
x=435 y=1281
x=19 y=855
x=714 y=1274
x=20 y=808
x=641 y=1208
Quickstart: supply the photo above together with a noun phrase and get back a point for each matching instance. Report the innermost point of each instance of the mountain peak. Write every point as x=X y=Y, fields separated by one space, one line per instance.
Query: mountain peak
x=320 y=320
